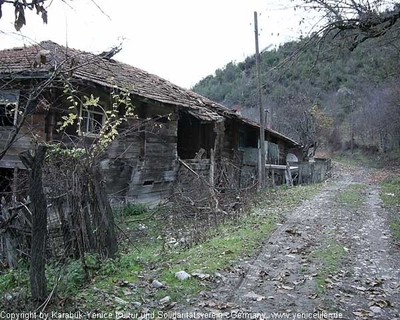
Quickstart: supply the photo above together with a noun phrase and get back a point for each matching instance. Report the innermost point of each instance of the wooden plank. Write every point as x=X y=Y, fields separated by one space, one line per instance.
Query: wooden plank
x=11 y=163
x=280 y=167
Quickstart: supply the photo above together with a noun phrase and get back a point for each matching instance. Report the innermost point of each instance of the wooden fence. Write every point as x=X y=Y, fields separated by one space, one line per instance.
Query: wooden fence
x=314 y=171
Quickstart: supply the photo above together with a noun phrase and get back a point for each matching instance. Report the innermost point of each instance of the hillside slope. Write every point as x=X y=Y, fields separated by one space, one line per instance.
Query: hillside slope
x=349 y=89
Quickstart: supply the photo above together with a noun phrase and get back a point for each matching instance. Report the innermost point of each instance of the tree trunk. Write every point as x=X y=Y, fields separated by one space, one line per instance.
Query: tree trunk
x=34 y=164
x=103 y=218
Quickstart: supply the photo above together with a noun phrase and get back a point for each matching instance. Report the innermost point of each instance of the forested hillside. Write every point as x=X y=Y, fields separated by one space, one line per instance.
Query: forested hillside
x=318 y=91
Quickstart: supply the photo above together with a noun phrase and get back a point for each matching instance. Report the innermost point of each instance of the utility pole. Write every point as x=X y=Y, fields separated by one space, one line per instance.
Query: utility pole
x=261 y=157
x=351 y=127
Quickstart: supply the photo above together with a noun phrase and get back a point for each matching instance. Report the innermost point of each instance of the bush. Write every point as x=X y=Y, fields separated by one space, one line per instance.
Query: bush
x=71 y=277
x=133 y=209
x=12 y=279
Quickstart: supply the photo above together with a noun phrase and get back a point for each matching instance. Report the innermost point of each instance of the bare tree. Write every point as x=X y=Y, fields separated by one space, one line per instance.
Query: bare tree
x=39 y=6
x=20 y=10
x=359 y=19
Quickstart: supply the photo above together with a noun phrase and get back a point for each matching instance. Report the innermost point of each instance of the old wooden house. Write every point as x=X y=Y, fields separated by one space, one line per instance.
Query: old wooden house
x=172 y=123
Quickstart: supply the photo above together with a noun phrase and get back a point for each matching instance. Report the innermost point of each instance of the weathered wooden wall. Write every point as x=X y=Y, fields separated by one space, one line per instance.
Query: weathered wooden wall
x=230 y=139
x=314 y=171
x=33 y=128
x=141 y=166
x=200 y=166
x=21 y=143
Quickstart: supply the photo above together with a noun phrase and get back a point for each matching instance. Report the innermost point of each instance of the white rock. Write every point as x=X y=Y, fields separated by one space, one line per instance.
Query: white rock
x=120 y=301
x=182 y=275
x=157 y=284
x=165 y=300
x=376 y=309
x=253 y=296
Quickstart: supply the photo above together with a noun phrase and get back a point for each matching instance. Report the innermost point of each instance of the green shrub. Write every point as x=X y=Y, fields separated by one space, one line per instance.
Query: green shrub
x=13 y=278
x=133 y=209
x=70 y=277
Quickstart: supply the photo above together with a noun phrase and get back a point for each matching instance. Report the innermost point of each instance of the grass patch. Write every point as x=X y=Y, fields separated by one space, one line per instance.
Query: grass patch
x=353 y=196
x=232 y=242
x=286 y=198
x=330 y=255
x=390 y=192
x=132 y=209
x=359 y=158
x=367 y=159
x=390 y=195
x=395 y=228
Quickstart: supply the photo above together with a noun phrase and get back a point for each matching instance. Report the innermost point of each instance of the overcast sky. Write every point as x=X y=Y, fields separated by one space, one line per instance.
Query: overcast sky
x=180 y=40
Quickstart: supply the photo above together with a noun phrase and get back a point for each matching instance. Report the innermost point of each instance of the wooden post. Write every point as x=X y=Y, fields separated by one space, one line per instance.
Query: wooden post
x=288 y=174
x=212 y=167
x=261 y=164
x=273 y=177
x=300 y=173
x=312 y=169
x=34 y=163
x=103 y=217
x=351 y=127
x=15 y=186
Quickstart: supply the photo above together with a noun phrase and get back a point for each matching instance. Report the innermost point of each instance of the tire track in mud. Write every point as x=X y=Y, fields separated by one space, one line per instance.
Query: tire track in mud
x=286 y=274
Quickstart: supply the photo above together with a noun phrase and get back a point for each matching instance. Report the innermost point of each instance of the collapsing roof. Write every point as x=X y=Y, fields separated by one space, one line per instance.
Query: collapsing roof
x=37 y=61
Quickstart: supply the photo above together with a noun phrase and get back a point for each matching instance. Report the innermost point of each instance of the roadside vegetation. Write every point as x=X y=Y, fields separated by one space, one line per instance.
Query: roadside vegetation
x=390 y=195
x=352 y=196
x=387 y=175
x=147 y=258
x=329 y=254
x=373 y=160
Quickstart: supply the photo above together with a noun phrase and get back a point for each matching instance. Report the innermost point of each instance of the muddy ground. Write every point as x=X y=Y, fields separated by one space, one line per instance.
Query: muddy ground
x=326 y=260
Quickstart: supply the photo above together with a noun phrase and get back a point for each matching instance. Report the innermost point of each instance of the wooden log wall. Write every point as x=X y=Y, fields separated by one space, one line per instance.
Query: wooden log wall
x=142 y=166
x=21 y=143
x=34 y=124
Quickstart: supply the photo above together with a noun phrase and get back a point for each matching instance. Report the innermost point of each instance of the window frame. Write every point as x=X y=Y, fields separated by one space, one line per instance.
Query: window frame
x=84 y=131
x=15 y=93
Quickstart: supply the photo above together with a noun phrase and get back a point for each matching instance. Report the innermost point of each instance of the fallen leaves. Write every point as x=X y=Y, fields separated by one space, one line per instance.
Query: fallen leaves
x=284 y=287
x=313 y=296
x=363 y=313
x=217 y=305
x=293 y=232
x=381 y=303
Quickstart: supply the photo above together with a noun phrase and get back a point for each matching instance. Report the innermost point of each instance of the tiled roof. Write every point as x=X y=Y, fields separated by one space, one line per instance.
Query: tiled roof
x=25 y=62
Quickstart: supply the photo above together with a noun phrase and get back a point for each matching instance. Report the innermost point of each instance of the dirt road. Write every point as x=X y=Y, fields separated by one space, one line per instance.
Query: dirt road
x=332 y=257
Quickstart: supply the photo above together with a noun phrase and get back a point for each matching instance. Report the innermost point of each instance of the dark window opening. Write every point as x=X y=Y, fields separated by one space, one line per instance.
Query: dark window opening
x=248 y=138
x=141 y=111
x=273 y=140
x=13 y=181
x=148 y=182
x=194 y=135
x=6 y=182
x=8 y=107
